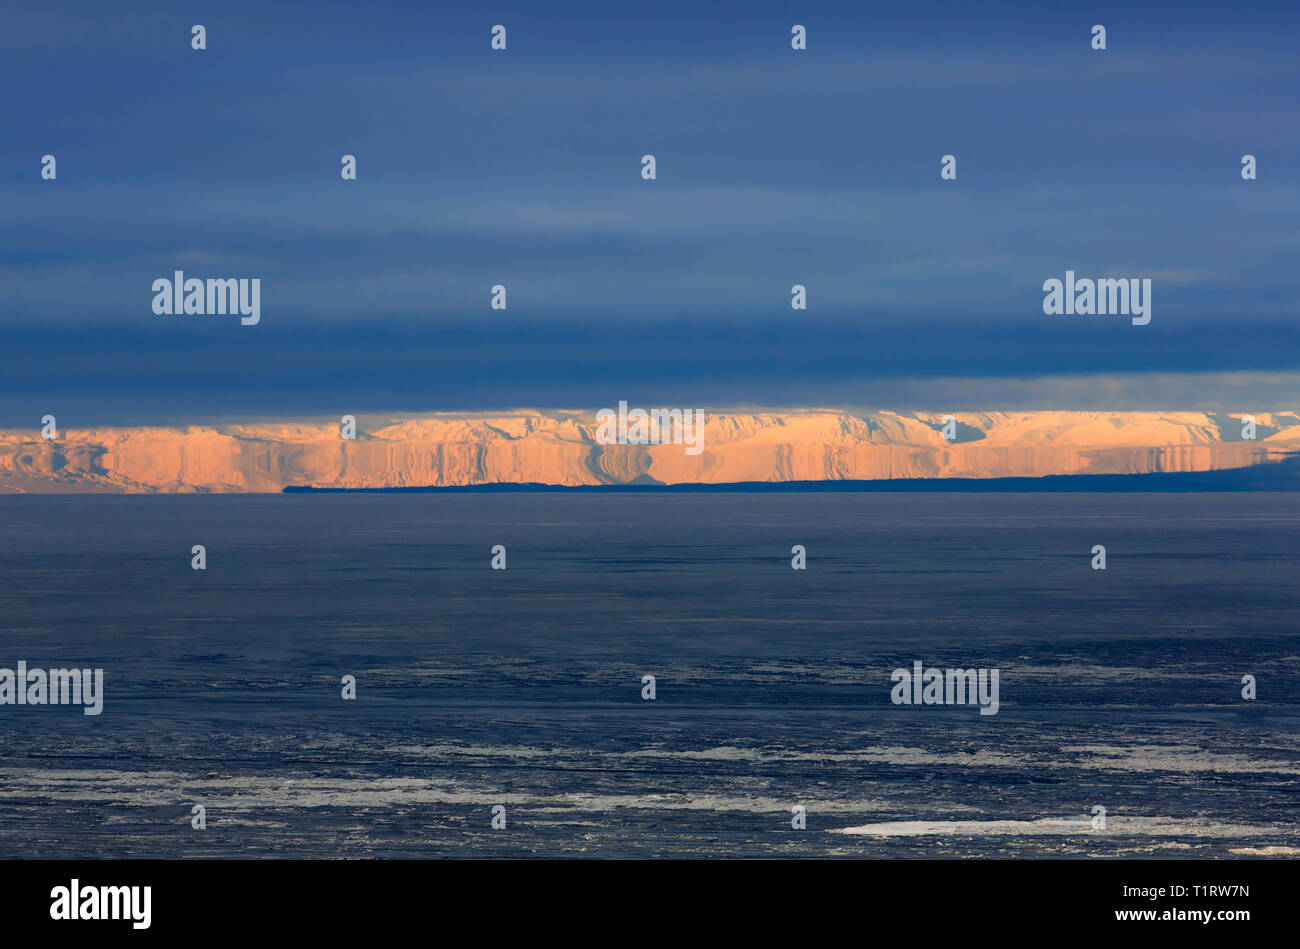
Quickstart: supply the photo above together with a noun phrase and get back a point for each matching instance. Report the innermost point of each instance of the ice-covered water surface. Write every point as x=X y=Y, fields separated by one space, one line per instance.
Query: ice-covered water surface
x=1119 y=689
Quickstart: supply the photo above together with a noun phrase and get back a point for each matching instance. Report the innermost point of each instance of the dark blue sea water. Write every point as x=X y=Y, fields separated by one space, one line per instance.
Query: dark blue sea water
x=475 y=687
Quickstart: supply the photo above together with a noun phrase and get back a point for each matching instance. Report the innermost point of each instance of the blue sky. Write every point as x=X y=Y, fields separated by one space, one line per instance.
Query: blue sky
x=775 y=167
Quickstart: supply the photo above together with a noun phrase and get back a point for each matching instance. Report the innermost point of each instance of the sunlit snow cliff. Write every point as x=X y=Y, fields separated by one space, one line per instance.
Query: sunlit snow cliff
x=561 y=448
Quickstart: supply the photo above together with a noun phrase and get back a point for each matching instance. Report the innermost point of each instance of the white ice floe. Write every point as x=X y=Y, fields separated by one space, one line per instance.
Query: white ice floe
x=1059 y=826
